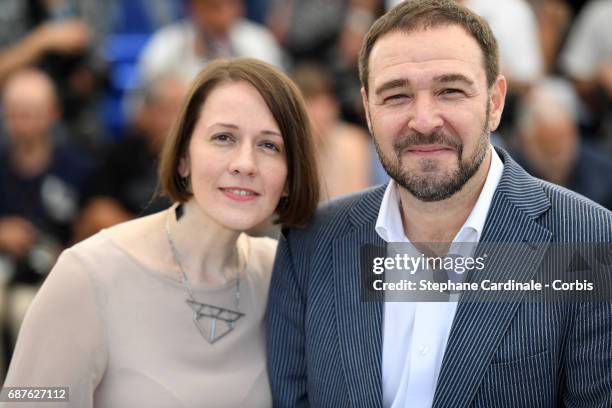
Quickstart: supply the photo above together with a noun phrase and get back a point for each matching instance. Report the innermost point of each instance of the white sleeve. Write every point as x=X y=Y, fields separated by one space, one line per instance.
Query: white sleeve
x=252 y=40
x=159 y=54
x=62 y=340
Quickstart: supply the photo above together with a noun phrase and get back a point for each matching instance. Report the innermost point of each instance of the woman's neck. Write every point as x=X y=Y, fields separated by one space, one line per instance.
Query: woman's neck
x=207 y=252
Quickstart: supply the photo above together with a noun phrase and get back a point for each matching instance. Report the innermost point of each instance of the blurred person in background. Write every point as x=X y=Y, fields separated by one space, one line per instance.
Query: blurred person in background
x=125 y=183
x=168 y=310
x=516 y=29
x=64 y=38
x=549 y=144
x=41 y=182
x=213 y=29
x=587 y=60
x=343 y=150
x=554 y=19
x=329 y=33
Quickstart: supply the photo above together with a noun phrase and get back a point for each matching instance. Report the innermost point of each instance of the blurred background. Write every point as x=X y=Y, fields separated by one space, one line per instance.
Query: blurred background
x=89 y=89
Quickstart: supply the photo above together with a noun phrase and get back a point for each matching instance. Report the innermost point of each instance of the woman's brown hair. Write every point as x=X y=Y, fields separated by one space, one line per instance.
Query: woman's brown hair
x=287 y=107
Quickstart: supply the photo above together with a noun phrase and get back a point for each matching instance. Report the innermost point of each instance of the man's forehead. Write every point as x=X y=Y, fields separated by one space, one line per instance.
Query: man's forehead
x=432 y=51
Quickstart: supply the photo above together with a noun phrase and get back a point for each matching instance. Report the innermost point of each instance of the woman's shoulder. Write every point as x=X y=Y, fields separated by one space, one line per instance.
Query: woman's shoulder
x=130 y=242
x=139 y=230
x=262 y=251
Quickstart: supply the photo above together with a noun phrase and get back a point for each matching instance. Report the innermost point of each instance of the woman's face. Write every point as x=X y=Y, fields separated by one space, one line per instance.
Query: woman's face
x=236 y=159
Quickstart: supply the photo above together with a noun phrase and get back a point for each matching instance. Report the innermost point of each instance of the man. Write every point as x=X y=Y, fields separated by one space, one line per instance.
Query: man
x=586 y=58
x=551 y=147
x=212 y=29
x=433 y=93
x=41 y=184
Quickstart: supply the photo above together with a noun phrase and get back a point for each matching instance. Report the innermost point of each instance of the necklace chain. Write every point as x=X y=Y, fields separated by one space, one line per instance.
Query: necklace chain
x=187 y=285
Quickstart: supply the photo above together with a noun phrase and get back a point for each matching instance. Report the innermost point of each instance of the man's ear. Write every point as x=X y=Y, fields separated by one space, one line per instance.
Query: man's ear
x=497 y=99
x=364 y=100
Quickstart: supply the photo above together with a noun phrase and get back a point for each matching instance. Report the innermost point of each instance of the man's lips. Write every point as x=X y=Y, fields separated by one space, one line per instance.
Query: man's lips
x=239 y=193
x=429 y=149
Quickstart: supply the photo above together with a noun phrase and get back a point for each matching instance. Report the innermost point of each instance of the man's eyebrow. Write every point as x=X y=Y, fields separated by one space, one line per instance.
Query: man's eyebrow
x=392 y=84
x=446 y=78
x=403 y=82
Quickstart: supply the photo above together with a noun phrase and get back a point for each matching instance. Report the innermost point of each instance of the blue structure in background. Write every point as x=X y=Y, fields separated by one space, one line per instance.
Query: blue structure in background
x=135 y=22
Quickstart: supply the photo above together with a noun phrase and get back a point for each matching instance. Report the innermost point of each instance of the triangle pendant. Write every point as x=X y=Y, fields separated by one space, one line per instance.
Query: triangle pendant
x=213 y=322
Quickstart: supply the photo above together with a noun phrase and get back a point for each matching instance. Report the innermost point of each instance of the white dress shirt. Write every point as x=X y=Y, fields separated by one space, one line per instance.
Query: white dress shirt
x=415 y=333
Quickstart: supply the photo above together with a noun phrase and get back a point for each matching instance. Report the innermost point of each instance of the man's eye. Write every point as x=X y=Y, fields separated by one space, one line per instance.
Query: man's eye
x=395 y=98
x=452 y=91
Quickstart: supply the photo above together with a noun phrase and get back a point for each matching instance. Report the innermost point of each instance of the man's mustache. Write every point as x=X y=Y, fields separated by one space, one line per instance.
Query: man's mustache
x=420 y=139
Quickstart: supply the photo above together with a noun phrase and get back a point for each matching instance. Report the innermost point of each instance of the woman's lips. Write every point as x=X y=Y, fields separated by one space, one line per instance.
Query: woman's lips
x=239 y=194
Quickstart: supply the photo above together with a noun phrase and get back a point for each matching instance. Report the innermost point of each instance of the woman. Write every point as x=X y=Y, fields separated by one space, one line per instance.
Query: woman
x=167 y=310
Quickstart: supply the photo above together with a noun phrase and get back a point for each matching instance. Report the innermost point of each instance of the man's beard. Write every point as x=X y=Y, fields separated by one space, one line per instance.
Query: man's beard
x=437 y=187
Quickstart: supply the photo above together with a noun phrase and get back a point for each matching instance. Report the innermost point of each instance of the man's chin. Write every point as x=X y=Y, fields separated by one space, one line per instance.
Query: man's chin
x=429 y=172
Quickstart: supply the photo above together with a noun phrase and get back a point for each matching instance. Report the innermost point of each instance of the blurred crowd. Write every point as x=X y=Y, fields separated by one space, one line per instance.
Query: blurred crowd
x=89 y=89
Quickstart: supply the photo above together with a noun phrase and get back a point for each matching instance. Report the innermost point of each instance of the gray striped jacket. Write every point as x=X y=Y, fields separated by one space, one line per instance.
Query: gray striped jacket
x=324 y=342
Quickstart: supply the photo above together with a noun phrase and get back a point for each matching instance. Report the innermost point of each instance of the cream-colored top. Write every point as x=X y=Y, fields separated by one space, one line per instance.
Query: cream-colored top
x=119 y=333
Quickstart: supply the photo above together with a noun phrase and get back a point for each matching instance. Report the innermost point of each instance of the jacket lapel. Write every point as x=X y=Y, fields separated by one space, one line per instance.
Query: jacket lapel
x=359 y=314
x=514 y=244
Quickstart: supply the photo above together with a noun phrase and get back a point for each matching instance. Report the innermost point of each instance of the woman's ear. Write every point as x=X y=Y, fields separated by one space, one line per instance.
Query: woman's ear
x=183 y=167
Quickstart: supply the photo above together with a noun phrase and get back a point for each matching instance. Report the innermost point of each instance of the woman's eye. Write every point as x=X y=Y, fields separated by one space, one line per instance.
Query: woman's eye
x=271 y=146
x=222 y=137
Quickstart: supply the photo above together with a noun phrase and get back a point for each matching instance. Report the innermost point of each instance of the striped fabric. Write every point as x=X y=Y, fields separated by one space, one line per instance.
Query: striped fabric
x=325 y=344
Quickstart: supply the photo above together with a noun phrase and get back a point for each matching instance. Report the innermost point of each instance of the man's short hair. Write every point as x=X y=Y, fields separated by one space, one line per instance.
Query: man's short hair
x=412 y=15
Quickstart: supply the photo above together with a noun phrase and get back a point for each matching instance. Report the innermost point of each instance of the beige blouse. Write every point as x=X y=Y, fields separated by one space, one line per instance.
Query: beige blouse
x=120 y=334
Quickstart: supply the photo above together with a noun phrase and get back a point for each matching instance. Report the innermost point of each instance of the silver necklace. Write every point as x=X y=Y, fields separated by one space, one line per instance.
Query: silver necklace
x=212 y=321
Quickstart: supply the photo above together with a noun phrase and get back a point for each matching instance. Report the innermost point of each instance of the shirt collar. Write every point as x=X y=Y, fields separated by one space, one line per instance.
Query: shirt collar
x=389 y=222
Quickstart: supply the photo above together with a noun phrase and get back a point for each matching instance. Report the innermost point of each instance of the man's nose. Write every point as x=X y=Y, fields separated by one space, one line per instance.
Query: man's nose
x=424 y=114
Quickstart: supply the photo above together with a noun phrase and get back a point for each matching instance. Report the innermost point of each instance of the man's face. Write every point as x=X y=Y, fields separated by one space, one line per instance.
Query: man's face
x=429 y=109
x=216 y=16
x=29 y=107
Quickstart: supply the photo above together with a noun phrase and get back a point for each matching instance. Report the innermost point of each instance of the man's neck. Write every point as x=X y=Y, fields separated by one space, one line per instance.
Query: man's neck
x=440 y=221
x=32 y=156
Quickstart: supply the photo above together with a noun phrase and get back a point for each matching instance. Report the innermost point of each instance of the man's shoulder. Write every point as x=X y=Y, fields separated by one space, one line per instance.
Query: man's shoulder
x=343 y=214
x=573 y=216
x=568 y=215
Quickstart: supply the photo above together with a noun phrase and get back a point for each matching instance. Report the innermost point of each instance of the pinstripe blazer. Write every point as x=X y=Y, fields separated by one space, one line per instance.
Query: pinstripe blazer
x=325 y=343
